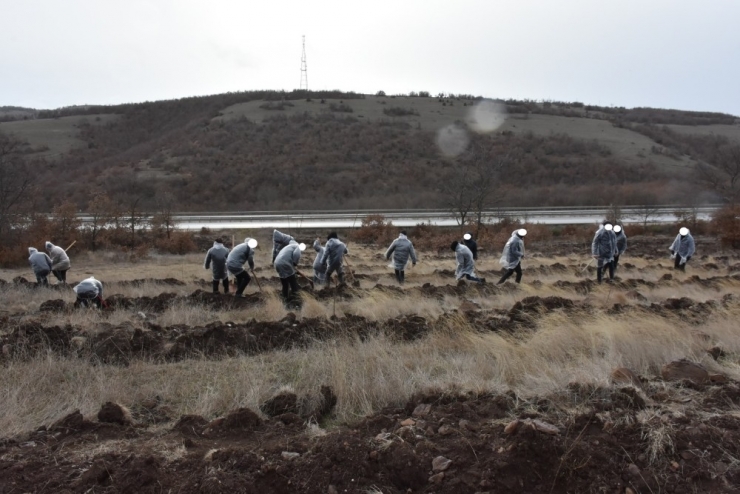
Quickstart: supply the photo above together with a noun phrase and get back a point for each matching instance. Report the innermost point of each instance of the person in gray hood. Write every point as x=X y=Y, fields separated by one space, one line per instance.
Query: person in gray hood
x=682 y=249
x=285 y=264
x=319 y=270
x=465 y=263
x=89 y=291
x=402 y=249
x=41 y=265
x=59 y=262
x=621 y=244
x=511 y=257
x=279 y=240
x=239 y=255
x=603 y=248
x=216 y=260
x=333 y=257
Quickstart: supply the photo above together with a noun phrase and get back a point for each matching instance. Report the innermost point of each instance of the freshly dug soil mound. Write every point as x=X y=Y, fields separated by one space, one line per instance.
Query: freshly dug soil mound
x=442 y=443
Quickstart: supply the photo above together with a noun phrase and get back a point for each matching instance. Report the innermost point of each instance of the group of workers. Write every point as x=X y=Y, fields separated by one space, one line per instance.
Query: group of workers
x=609 y=243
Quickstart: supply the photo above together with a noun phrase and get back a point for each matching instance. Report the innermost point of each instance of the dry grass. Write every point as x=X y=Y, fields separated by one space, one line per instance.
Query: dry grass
x=367 y=374
x=377 y=371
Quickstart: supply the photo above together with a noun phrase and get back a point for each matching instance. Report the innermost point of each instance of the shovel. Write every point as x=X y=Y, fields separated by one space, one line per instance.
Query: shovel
x=257 y=280
x=306 y=278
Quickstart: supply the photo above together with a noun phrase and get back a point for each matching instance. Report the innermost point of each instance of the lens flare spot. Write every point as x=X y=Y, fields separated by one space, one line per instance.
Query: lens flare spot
x=452 y=140
x=487 y=116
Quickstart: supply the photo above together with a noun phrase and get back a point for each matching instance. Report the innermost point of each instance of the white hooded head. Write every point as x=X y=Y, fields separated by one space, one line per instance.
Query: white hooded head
x=617 y=228
x=522 y=232
x=252 y=243
x=608 y=227
x=302 y=246
x=48 y=245
x=683 y=231
x=32 y=250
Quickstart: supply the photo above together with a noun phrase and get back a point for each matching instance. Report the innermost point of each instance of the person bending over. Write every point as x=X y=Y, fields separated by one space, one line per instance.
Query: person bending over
x=59 y=262
x=239 y=255
x=216 y=261
x=41 y=265
x=333 y=257
x=402 y=250
x=465 y=263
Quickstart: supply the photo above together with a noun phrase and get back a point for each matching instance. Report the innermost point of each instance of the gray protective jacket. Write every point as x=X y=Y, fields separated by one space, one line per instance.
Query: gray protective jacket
x=89 y=288
x=59 y=258
x=287 y=259
x=683 y=246
x=239 y=255
x=604 y=245
x=318 y=268
x=216 y=258
x=621 y=242
x=465 y=263
x=402 y=249
x=334 y=252
x=39 y=261
x=513 y=251
x=279 y=240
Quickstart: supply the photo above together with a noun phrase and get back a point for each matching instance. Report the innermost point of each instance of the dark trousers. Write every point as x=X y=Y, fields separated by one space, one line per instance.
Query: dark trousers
x=600 y=271
x=289 y=284
x=400 y=275
x=677 y=263
x=242 y=280
x=615 y=262
x=61 y=275
x=226 y=285
x=473 y=278
x=516 y=269
x=340 y=273
x=41 y=278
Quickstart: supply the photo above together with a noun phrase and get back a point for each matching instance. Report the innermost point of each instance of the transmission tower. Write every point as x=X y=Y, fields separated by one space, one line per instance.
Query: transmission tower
x=304 y=68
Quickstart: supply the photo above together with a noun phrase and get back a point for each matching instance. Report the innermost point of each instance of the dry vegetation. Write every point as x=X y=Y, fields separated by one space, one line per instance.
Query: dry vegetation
x=284 y=150
x=388 y=347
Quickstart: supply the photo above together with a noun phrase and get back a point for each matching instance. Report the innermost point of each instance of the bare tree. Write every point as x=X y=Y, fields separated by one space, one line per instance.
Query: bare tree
x=15 y=179
x=723 y=174
x=163 y=220
x=474 y=186
x=100 y=211
x=459 y=194
x=645 y=213
x=65 y=222
x=133 y=217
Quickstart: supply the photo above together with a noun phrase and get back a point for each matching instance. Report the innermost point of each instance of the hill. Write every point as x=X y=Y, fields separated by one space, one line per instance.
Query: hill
x=267 y=150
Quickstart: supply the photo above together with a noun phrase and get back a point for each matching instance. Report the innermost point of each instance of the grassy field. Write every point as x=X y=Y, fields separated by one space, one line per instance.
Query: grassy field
x=482 y=358
x=732 y=132
x=433 y=115
x=59 y=135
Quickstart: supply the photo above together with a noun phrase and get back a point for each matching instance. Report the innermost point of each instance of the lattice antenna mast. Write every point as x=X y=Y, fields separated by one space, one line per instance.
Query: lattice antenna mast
x=304 y=68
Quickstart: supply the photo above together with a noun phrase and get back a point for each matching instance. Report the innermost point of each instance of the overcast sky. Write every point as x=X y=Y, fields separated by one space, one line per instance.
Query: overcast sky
x=662 y=53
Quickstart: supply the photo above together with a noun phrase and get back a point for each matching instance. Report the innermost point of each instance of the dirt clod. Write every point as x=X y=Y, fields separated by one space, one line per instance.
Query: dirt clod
x=279 y=404
x=684 y=369
x=113 y=413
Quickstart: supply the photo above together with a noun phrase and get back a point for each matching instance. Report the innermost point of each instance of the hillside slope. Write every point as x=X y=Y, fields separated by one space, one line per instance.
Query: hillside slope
x=267 y=150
